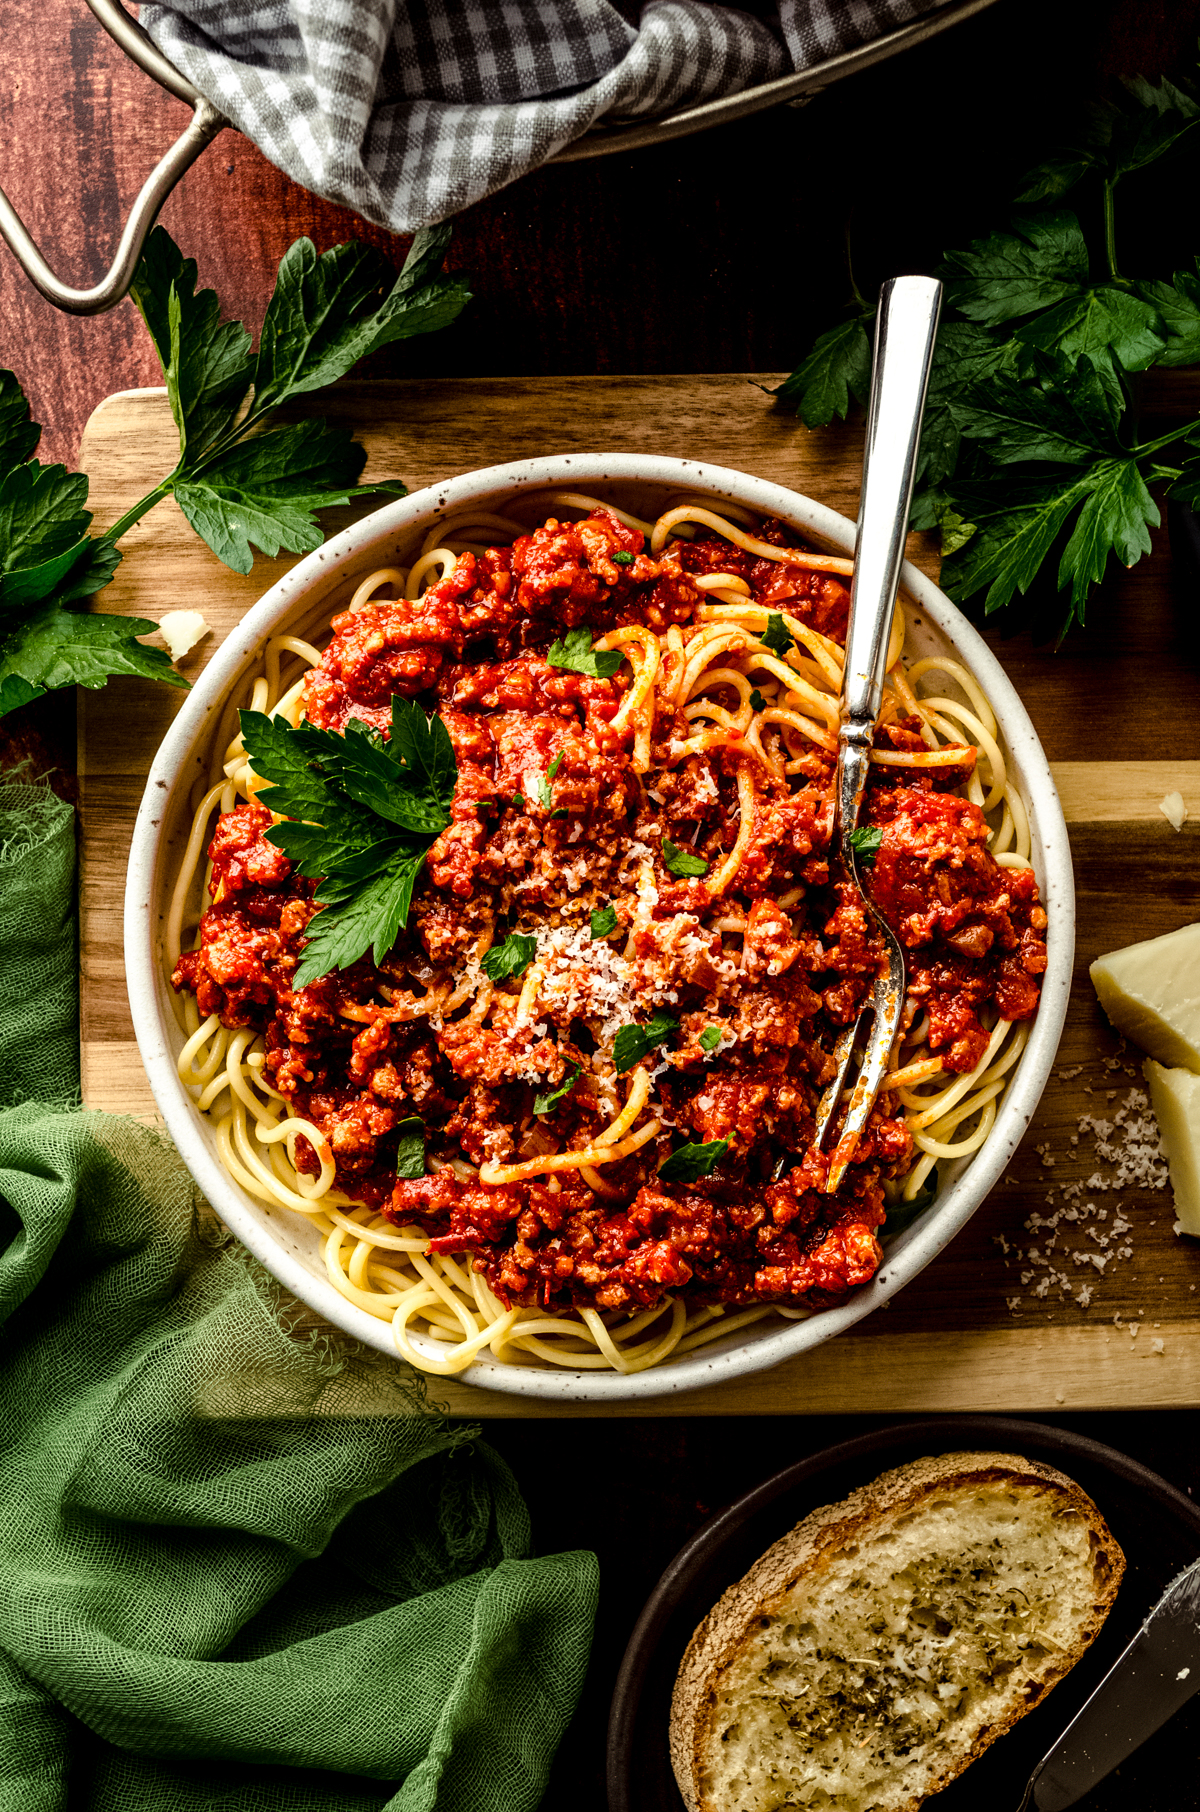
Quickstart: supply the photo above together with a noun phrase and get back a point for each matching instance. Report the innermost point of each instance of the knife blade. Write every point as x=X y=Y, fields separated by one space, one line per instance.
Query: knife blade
x=1158 y=1672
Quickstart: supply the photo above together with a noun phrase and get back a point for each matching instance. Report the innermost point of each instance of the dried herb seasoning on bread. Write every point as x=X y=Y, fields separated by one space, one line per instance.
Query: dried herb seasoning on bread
x=870 y=1655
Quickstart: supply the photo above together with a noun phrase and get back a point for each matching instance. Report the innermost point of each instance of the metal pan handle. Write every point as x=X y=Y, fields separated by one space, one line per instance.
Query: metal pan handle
x=206 y=122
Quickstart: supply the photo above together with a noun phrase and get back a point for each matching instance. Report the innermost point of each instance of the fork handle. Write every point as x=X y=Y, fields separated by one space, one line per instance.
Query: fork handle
x=905 y=328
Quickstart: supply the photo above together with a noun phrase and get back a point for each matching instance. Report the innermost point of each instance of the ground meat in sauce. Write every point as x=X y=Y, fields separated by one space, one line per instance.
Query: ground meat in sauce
x=790 y=964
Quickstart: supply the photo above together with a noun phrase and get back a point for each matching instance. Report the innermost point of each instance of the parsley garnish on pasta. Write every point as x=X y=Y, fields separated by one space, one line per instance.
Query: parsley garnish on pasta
x=546 y=1104
x=777 y=636
x=682 y=862
x=410 y=1148
x=512 y=957
x=362 y=817
x=691 y=1162
x=604 y=922
x=575 y=654
x=865 y=842
x=632 y=1043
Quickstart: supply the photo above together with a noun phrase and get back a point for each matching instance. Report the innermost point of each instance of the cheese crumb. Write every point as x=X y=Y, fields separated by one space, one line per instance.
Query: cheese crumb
x=181 y=630
x=1173 y=810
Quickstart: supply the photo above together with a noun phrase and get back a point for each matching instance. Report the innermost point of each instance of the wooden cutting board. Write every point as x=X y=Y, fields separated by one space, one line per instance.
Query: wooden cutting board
x=973 y=1332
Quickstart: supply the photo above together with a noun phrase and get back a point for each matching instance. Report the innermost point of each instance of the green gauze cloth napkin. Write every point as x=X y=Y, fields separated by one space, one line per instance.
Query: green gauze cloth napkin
x=243 y=1568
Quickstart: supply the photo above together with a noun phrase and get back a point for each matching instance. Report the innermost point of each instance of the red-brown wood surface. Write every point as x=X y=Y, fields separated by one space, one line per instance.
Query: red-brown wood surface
x=716 y=253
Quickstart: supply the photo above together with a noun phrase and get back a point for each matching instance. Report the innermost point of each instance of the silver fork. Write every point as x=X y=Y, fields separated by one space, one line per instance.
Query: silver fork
x=905 y=329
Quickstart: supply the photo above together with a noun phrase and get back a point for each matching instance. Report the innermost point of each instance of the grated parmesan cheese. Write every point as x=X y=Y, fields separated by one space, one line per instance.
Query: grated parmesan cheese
x=181 y=630
x=1173 y=810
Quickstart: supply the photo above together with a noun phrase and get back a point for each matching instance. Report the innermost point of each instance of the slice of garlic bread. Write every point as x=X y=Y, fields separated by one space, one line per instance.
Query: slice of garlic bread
x=878 y=1648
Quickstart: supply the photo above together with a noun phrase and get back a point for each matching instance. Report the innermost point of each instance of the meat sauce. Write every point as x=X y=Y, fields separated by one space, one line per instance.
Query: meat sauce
x=365 y=1048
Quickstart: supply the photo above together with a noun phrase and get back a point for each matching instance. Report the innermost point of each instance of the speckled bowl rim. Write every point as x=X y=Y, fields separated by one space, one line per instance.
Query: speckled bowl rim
x=367 y=543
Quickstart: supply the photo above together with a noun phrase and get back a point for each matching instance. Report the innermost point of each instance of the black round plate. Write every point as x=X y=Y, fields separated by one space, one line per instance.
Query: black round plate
x=1158 y=1528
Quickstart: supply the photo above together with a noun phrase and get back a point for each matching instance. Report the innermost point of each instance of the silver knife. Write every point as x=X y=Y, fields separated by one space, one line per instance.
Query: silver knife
x=1159 y=1672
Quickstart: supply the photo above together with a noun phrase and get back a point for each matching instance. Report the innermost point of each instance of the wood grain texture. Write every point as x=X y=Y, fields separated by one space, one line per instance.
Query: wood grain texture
x=968 y=1333
x=986 y=1371
x=638 y=262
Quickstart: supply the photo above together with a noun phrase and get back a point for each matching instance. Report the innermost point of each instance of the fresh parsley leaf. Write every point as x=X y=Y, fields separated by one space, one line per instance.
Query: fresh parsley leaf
x=363 y=815
x=56 y=647
x=15 y=692
x=264 y=490
x=604 y=921
x=1044 y=260
x=956 y=531
x=1177 y=304
x=1117 y=516
x=371 y=918
x=81 y=569
x=621 y=557
x=18 y=434
x=545 y=1104
x=709 y=1038
x=542 y=786
x=206 y=361
x=552 y=770
x=1068 y=425
x=865 y=842
x=1137 y=131
x=408 y=780
x=1015 y=530
x=757 y=701
x=1102 y=324
x=330 y=310
x=41 y=515
x=236 y=483
x=837 y=368
x=777 y=636
x=691 y=1162
x=575 y=654
x=519 y=801
x=632 y=1043
x=1048 y=180
x=512 y=957
x=682 y=862
x=966 y=355
x=288 y=760
x=410 y=1149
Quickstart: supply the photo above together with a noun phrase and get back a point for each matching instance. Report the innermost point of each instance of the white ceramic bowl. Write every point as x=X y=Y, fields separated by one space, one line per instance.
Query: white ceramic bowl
x=285 y=1243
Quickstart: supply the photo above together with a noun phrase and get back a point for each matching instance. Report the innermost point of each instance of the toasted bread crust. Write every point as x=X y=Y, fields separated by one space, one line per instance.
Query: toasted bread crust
x=815 y=1545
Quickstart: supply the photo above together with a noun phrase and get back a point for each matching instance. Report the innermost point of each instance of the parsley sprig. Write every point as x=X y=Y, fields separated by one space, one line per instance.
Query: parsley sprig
x=682 y=862
x=512 y=957
x=632 y=1043
x=688 y=1163
x=777 y=636
x=241 y=480
x=574 y=654
x=865 y=842
x=1029 y=452
x=362 y=816
x=546 y=1103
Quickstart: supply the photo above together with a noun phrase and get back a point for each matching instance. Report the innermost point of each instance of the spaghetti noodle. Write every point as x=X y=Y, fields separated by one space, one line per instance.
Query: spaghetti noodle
x=618 y=1129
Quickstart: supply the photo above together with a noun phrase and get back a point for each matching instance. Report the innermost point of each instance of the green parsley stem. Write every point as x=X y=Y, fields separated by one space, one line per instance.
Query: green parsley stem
x=139 y=510
x=1110 y=230
x=1164 y=440
x=855 y=292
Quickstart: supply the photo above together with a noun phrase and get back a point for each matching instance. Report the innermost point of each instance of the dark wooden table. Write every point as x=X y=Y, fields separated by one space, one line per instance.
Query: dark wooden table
x=718 y=253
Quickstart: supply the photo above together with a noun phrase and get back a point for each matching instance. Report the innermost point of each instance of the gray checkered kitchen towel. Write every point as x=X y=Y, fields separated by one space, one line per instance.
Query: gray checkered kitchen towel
x=409 y=113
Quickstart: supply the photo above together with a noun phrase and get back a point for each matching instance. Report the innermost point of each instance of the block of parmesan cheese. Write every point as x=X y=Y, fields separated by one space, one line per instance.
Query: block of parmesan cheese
x=1151 y=993
x=1175 y=1097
